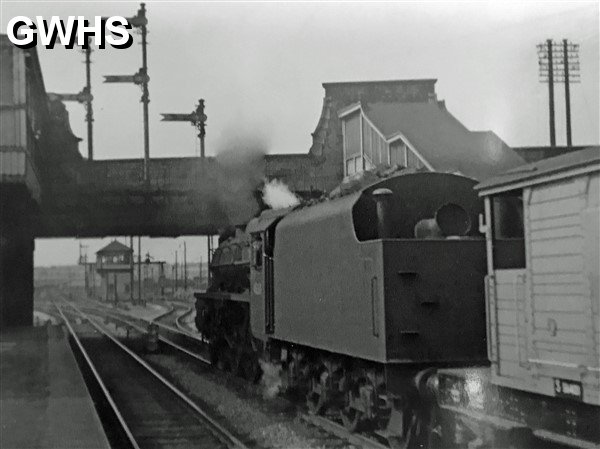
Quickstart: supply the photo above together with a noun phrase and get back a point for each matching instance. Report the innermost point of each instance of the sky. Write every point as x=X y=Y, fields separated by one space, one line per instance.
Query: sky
x=259 y=66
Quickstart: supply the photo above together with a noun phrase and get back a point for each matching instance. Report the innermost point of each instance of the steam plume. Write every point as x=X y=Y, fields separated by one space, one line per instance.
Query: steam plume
x=278 y=195
x=241 y=163
x=271 y=379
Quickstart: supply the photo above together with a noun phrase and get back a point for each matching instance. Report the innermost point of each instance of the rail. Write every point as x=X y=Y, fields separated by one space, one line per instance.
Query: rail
x=211 y=424
x=326 y=425
x=99 y=380
x=178 y=321
x=165 y=340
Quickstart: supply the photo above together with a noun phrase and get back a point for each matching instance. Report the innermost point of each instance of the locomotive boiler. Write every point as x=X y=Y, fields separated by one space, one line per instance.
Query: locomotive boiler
x=358 y=298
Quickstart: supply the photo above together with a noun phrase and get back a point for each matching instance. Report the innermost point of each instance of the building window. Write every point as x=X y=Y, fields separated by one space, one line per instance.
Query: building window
x=365 y=148
x=350 y=167
x=367 y=142
x=412 y=160
x=353 y=144
x=398 y=153
x=353 y=165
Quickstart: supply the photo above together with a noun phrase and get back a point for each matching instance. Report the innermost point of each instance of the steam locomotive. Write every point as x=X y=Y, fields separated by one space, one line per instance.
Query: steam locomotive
x=430 y=314
x=358 y=299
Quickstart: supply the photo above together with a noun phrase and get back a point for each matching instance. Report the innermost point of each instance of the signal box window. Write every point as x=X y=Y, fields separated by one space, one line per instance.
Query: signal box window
x=508 y=230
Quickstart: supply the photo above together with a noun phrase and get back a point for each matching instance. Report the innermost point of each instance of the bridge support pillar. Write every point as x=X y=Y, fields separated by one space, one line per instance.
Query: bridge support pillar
x=16 y=264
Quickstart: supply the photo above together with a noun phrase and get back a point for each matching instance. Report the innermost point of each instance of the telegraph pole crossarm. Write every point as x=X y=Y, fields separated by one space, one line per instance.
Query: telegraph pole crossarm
x=559 y=63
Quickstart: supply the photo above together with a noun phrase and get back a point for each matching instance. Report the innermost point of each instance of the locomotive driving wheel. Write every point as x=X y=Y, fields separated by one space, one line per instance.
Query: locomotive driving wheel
x=413 y=421
x=351 y=417
x=317 y=397
x=358 y=405
x=221 y=356
x=316 y=403
x=249 y=367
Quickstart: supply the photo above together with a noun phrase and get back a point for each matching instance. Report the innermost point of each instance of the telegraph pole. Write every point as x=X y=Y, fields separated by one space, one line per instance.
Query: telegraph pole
x=571 y=75
x=145 y=94
x=197 y=118
x=560 y=65
x=551 y=93
x=175 y=270
x=131 y=281
x=89 y=116
x=83 y=261
x=139 y=269
x=184 y=267
x=567 y=90
x=209 y=244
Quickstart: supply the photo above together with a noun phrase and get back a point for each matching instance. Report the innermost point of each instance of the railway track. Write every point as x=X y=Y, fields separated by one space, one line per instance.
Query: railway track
x=151 y=411
x=174 y=335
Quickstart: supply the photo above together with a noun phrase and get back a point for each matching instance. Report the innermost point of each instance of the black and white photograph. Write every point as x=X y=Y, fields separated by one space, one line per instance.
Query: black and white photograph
x=300 y=224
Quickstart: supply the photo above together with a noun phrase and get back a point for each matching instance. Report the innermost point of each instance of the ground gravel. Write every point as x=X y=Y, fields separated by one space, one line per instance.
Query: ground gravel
x=265 y=422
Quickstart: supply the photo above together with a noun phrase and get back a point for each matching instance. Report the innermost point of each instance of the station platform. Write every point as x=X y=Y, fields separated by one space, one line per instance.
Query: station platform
x=44 y=402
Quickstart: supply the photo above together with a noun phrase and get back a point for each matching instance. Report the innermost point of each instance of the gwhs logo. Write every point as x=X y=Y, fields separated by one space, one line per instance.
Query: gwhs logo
x=24 y=33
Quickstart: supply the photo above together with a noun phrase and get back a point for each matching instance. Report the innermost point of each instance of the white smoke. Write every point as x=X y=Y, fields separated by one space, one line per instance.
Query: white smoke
x=278 y=195
x=270 y=381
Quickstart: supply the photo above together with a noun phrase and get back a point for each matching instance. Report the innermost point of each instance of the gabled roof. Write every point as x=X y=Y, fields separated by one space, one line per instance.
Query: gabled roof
x=114 y=247
x=430 y=81
x=442 y=140
x=587 y=160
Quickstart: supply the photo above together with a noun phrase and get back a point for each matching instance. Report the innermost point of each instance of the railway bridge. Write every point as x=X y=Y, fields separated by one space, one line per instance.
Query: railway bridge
x=47 y=189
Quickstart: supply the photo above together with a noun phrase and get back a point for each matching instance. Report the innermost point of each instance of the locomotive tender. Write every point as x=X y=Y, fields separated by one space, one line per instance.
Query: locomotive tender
x=357 y=298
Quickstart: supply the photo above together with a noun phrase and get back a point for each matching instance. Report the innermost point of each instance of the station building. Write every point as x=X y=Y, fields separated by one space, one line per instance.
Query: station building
x=398 y=122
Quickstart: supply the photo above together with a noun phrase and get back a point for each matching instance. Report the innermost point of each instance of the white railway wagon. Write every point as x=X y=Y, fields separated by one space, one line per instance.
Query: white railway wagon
x=542 y=294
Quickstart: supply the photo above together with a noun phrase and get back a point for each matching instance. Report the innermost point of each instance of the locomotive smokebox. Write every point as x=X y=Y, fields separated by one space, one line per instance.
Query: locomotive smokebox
x=384 y=214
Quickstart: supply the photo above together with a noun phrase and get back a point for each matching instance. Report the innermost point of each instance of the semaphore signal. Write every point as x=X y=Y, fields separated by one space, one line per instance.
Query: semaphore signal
x=85 y=96
x=140 y=78
x=197 y=118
